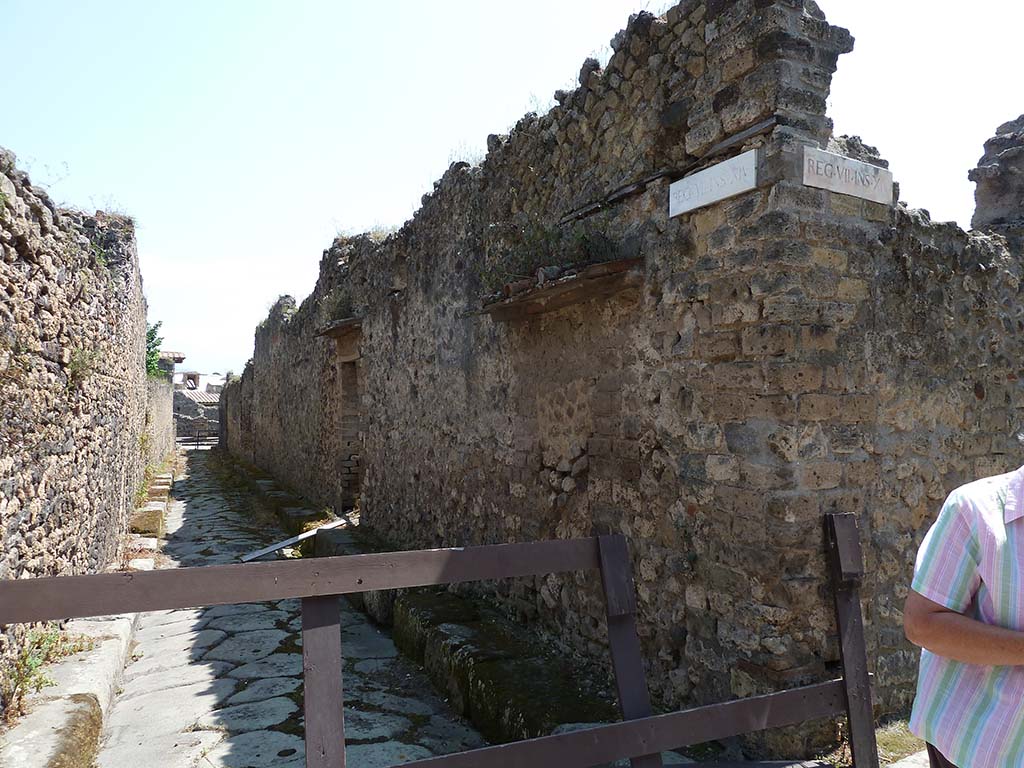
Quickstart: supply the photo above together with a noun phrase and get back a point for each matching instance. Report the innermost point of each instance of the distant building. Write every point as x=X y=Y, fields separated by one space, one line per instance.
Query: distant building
x=168 y=360
x=196 y=396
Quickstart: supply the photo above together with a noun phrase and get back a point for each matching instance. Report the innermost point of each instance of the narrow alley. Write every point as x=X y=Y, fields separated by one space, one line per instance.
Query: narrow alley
x=223 y=686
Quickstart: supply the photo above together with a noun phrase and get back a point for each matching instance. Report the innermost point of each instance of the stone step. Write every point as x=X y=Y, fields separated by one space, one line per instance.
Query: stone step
x=492 y=671
x=149 y=519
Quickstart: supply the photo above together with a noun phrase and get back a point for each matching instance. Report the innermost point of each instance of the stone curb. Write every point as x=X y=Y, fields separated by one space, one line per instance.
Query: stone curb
x=62 y=729
x=149 y=519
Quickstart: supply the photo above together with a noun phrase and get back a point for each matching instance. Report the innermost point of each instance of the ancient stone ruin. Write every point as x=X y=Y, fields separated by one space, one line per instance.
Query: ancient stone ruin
x=80 y=420
x=1000 y=178
x=544 y=351
x=196 y=404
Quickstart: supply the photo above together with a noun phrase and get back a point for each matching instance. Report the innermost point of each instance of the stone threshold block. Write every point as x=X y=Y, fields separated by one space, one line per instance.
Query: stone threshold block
x=148 y=520
x=296 y=519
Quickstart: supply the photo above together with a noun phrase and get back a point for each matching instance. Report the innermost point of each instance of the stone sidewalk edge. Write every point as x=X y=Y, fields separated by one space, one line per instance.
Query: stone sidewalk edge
x=64 y=724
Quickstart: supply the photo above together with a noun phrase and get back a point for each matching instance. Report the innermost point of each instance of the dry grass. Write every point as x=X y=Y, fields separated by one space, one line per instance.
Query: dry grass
x=895 y=742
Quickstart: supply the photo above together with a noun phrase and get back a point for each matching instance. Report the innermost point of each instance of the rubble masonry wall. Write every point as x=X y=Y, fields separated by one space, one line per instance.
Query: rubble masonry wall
x=784 y=353
x=73 y=388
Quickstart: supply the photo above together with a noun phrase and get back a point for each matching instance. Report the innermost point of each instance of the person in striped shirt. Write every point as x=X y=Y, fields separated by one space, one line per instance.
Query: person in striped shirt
x=965 y=610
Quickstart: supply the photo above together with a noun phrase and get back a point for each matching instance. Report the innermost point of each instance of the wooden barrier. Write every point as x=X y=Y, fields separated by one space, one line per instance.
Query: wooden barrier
x=319 y=582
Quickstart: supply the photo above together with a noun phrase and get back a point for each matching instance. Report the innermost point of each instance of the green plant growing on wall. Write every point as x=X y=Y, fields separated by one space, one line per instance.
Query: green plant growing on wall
x=145 y=440
x=25 y=674
x=100 y=256
x=80 y=366
x=142 y=490
x=153 y=342
x=18 y=360
x=526 y=246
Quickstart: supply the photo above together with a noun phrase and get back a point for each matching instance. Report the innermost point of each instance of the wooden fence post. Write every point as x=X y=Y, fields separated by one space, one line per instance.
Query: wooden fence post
x=623 y=642
x=321 y=671
x=847 y=566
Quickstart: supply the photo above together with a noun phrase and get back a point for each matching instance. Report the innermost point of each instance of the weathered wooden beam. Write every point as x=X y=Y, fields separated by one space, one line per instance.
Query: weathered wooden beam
x=607 y=743
x=634 y=188
x=596 y=281
x=321 y=674
x=623 y=642
x=847 y=566
x=65 y=597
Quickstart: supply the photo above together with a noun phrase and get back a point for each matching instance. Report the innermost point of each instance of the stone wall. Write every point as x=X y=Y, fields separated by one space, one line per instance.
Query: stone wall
x=159 y=420
x=1000 y=178
x=187 y=411
x=769 y=358
x=72 y=384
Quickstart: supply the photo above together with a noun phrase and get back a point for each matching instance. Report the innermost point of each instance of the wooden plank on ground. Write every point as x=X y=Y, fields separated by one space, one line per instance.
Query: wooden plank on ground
x=65 y=597
x=604 y=744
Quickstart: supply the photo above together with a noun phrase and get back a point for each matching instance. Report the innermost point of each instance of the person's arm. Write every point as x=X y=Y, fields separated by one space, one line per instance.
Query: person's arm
x=947 y=633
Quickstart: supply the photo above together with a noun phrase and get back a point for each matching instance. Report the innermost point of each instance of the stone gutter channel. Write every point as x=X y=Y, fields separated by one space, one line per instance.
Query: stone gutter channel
x=64 y=721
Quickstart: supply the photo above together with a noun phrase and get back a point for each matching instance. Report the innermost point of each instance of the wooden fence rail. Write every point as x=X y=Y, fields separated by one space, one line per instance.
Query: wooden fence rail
x=318 y=582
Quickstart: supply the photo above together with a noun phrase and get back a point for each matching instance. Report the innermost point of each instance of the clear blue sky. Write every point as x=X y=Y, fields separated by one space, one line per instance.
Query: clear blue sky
x=243 y=136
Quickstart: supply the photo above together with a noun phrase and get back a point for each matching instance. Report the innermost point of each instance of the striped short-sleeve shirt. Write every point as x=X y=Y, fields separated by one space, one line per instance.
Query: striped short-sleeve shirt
x=972 y=562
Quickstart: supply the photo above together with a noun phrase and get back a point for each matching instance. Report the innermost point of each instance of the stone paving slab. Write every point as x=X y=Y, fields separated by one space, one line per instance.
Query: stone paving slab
x=221 y=687
x=189 y=674
x=177 y=750
x=919 y=760
x=166 y=711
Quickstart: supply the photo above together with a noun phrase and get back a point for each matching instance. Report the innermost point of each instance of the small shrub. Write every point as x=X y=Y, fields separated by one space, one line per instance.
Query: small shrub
x=142 y=491
x=81 y=366
x=25 y=673
x=100 y=256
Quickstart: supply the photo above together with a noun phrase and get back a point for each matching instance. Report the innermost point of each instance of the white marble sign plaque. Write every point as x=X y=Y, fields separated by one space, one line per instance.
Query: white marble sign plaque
x=847 y=176
x=727 y=179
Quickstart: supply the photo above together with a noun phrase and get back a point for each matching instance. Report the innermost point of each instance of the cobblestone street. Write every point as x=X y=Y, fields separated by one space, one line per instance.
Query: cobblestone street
x=223 y=687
